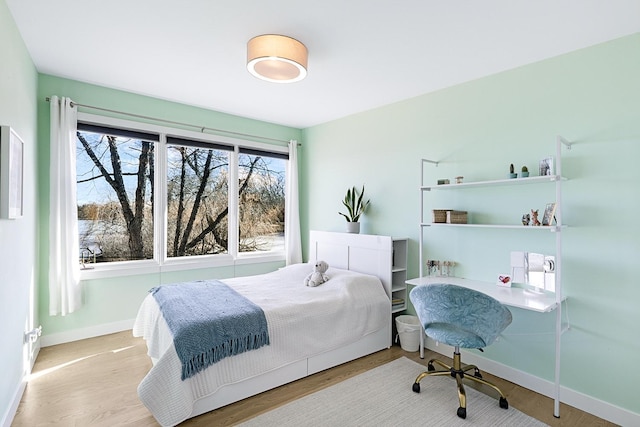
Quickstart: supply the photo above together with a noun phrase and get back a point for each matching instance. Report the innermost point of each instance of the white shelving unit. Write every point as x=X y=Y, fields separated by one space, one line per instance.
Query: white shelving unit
x=495 y=183
x=510 y=296
x=399 y=275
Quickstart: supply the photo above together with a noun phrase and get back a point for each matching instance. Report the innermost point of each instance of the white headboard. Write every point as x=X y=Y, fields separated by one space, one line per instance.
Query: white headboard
x=362 y=253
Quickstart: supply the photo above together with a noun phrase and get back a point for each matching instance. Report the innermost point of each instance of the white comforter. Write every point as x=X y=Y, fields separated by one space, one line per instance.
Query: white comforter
x=303 y=321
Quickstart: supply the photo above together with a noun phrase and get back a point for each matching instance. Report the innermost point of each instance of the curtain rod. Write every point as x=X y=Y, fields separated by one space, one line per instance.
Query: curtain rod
x=202 y=128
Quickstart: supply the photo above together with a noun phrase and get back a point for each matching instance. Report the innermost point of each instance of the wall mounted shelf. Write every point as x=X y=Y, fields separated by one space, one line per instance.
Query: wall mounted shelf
x=547 y=228
x=496 y=182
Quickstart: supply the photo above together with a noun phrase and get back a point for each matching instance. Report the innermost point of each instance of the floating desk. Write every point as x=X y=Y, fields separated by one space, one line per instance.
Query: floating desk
x=513 y=297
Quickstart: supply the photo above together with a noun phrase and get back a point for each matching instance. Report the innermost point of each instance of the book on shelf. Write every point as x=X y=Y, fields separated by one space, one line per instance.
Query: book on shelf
x=397 y=303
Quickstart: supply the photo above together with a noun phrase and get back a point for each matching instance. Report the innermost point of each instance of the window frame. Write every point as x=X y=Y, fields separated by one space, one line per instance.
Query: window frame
x=161 y=262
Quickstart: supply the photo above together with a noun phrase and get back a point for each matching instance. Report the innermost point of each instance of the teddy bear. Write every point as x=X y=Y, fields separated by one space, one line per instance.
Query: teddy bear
x=317 y=277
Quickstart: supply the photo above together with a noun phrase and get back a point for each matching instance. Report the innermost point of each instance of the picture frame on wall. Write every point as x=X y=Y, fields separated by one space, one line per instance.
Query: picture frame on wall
x=549 y=214
x=11 y=174
x=545 y=167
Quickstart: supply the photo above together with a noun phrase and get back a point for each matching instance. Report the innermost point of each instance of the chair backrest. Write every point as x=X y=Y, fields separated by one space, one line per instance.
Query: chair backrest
x=462 y=309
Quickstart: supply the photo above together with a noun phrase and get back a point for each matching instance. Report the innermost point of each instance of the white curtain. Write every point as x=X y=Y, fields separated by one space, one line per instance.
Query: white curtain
x=64 y=272
x=293 y=244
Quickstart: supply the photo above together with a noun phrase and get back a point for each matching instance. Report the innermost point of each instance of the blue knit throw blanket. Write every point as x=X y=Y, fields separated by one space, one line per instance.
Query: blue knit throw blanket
x=210 y=321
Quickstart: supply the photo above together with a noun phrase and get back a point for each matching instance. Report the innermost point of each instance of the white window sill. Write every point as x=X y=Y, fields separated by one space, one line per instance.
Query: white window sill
x=120 y=269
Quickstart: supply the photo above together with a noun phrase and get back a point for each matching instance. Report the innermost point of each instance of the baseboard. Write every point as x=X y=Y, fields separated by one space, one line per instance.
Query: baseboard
x=578 y=400
x=34 y=354
x=9 y=415
x=84 y=333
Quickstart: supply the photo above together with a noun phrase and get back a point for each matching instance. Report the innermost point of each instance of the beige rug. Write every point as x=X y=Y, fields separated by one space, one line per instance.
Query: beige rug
x=383 y=397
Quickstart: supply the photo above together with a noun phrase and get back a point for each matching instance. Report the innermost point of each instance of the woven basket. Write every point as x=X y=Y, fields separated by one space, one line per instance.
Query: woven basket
x=439 y=215
x=456 y=217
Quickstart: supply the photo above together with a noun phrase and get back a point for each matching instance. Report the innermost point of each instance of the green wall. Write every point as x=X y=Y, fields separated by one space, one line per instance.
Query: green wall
x=18 y=81
x=116 y=300
x=590 y=97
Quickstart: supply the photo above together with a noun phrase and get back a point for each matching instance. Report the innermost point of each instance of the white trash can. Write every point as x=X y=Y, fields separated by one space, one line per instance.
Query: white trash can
x=409 y=332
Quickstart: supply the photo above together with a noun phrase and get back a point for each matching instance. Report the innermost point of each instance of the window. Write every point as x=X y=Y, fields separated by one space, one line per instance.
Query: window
x=197 y=198
x=157 y=197
x=261 y=200
x=115 y=197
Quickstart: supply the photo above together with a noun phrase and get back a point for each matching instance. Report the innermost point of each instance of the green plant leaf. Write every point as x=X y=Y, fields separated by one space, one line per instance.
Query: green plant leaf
x=353 y=201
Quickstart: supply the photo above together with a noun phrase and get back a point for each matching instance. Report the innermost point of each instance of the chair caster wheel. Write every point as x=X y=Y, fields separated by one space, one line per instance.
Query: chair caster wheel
x=477 y=374
x=462 y=412
x=430 y=367
x=416 y=387
x=503 y=403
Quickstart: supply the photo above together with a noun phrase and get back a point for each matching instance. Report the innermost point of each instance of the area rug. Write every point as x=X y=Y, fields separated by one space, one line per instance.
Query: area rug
x=383 y=397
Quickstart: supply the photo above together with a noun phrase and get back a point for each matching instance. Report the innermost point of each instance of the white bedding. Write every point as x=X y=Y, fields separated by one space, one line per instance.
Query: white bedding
x=303 y=322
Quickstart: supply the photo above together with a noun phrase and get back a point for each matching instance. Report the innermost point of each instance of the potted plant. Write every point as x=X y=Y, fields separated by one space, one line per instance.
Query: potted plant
x=512 y=173
x=525 y=172
x=355 y=204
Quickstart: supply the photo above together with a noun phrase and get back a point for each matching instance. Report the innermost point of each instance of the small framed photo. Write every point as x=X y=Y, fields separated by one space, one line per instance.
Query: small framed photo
x=11 y=173
x=549 y=214
x=546 y=166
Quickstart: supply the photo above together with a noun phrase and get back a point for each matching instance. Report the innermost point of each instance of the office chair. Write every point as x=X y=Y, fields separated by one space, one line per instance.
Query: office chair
x=462 y=318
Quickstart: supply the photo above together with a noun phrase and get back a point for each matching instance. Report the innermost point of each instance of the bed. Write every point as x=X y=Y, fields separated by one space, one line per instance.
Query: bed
x=310 y=328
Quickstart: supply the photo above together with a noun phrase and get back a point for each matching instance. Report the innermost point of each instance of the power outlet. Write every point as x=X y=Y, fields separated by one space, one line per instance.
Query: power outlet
x=33 y=335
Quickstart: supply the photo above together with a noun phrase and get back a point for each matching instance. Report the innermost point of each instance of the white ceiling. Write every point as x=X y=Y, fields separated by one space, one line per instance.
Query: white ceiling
x=362 y=53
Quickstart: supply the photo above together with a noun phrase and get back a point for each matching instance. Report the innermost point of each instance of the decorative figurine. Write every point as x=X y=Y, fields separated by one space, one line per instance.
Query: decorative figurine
x=526 y=218
x=534 y=217
x=512 y=173
x=459 y=179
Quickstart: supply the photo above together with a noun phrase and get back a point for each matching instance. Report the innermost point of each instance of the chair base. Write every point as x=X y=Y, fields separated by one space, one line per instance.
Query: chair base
x=459 y=373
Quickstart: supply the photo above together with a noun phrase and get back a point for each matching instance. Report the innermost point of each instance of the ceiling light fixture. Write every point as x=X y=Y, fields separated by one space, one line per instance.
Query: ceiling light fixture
x=277 y=59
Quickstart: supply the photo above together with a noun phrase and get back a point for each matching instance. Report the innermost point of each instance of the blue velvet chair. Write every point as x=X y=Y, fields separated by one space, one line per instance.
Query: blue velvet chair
x=462 y=318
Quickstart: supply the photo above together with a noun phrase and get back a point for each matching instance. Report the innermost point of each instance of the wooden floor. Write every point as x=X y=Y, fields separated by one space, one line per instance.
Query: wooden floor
x=93 y=383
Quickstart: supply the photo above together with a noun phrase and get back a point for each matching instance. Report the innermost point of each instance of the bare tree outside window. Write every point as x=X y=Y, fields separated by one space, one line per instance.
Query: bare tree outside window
x=116 y=196
x=262 y=196
x=197 y=201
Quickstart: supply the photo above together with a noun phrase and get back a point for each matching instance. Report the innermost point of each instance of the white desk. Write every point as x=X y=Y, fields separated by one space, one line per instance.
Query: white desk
x=513 y=297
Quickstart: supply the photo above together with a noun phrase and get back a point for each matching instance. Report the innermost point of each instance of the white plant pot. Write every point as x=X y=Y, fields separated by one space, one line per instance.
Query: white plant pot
x=353 y=227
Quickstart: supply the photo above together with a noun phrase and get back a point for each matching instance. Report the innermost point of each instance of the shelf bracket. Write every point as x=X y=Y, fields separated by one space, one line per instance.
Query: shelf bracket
x=565 y=142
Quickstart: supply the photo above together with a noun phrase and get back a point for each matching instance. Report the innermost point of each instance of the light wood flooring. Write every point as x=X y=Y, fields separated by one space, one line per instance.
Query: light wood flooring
x=93 y=383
